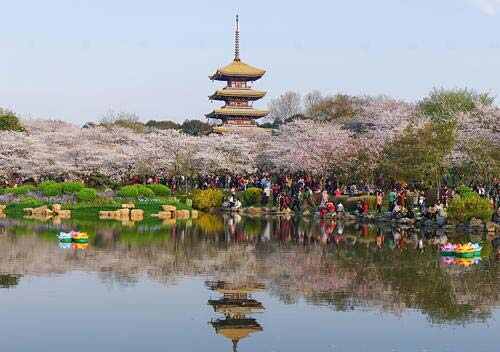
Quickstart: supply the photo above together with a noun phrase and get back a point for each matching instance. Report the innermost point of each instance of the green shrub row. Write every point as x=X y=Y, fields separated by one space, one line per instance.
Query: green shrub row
x=52 y=189
x=47 y=188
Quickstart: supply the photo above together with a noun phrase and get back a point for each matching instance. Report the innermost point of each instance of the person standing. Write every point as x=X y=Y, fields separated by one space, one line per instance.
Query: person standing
x=324 y=198
x=338 y=192
x=379 y=201
x=392 y=200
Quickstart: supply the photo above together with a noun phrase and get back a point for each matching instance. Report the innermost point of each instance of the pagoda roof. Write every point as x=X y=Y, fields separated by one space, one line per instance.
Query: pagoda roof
x=229 y=287
x=238 y=69
x=247 y=93
x=236 y=329
x=237 y=111
x=236 y=308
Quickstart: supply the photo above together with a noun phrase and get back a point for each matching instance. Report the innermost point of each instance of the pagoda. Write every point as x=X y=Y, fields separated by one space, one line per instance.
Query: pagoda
x=237 y=95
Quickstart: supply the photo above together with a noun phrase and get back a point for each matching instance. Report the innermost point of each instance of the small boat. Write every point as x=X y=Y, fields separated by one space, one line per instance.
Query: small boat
x=80 y=237
x=65 y=237
x=79 y=246
x=448 y=250
x=466 y=262
x=468 y=250
x=65 y=245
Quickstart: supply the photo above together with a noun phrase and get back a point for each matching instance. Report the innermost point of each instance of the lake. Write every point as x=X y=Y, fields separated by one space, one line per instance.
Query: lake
x=224 y=283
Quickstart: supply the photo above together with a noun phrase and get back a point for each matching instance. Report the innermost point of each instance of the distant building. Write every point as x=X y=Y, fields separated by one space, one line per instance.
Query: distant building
x=238 y=112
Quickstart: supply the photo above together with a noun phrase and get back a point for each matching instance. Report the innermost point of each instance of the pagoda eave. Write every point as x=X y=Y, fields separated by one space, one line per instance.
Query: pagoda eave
x=240 y=114
x=232 y=77
x=247 y=94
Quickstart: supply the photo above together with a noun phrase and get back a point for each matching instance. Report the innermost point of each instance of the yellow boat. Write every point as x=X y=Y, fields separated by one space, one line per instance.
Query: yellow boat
x=80 y=237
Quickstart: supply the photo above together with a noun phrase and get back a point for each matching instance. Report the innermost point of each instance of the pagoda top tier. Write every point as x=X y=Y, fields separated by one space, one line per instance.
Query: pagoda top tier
x=238 y=70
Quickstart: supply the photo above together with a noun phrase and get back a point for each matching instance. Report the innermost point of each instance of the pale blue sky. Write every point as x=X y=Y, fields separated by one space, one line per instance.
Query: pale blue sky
x=75 y=60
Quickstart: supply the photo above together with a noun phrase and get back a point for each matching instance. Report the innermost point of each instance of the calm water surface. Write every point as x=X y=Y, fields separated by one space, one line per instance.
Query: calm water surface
x=223 y=283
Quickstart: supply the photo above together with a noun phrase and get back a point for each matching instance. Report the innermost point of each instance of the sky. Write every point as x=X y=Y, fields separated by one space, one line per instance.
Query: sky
x=75 y=60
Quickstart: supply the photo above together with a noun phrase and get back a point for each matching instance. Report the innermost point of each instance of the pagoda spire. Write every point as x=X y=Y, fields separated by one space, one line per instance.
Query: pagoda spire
x=237 y=40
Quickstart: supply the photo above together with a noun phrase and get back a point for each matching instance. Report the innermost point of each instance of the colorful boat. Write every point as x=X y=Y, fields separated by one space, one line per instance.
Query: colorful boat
x=468 y=250
x=65 y=237
x=80 y=237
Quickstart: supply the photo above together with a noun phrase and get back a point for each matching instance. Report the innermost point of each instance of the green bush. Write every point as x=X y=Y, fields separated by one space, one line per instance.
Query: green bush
x=160 y=190
x=87 y=194
x=207 y=198
x=9 y=121
x=20 y=190
x=72 y=187
x=464 y=209
x=50 y=188
x=465 y=191
x=252 y=196
x=134 y=191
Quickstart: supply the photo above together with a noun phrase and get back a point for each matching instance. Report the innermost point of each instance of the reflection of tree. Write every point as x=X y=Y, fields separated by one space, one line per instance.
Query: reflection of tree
x=385 y=273
x=417 y=281
x=210 y=223
x=236 y=304
x=9 y=280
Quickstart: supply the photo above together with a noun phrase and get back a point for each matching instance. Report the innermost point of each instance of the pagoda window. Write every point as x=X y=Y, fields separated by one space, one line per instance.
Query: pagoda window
x=243 y=103
x=237 y=84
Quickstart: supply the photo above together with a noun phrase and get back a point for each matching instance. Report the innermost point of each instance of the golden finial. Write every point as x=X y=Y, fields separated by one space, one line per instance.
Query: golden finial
x=237 y=40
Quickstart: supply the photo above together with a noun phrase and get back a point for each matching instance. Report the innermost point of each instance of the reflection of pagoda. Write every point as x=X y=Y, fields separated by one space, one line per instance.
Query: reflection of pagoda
x=236 y=304
x=237 y=95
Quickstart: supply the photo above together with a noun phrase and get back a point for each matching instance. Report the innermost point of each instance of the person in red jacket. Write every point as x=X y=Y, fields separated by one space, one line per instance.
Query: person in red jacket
x=365 y=206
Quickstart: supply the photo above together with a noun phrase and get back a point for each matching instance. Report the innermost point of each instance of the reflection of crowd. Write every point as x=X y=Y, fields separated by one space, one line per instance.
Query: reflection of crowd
x=337 y=234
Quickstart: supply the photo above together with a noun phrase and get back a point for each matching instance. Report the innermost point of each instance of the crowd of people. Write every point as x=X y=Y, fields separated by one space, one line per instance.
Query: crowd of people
x=328 y=195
